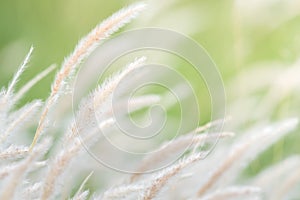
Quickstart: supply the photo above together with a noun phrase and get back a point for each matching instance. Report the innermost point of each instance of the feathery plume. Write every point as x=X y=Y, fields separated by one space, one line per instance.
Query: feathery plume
x=121 y=191
x=89 y=106
x=272 y=176
x=83 y=49
x=20 y=171
x=80 y=193
x=24 y=89
x=6 y=170
x=107 y=88
x=287 y=185
x=236 y=192
x=57 y=167
x=259 y=141
x=24 y=114
x=163 y=177
x=13 y=152
x=177 y=145
x=84 y=114
x=32 y=191
x=16 y=77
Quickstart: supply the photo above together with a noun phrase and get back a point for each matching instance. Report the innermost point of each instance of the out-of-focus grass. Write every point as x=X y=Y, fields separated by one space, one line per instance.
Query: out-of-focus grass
x=225 y=31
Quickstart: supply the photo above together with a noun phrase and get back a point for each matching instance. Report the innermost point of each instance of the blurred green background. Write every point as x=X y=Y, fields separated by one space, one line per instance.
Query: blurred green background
x=237 y=35
x=54 y=27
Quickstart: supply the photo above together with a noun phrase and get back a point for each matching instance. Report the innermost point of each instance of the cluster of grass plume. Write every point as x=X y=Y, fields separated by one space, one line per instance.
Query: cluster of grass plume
x=36 y=171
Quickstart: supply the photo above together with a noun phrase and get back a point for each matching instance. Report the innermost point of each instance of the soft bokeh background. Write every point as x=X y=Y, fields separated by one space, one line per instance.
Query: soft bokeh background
x=235 y=33
x=239 y=35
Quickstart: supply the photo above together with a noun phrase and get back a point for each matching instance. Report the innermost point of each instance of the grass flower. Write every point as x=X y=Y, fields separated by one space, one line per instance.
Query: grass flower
x=182 y=168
